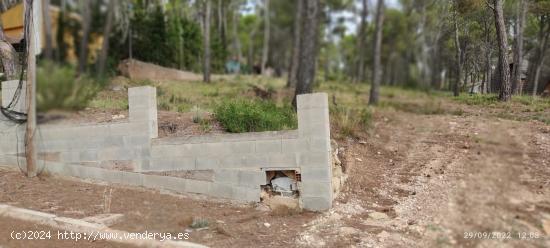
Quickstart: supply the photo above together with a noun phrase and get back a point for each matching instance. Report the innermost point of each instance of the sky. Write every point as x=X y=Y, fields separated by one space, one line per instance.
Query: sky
x=352 y=20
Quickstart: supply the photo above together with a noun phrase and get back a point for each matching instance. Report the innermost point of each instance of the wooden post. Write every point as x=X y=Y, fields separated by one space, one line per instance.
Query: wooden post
x=30 y=147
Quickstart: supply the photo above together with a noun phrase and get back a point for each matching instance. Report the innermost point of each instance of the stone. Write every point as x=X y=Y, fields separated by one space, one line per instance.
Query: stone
x=378 y=216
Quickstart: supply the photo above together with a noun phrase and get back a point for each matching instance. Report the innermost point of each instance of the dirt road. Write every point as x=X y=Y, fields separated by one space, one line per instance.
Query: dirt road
x=414 y=181
x=443 y=181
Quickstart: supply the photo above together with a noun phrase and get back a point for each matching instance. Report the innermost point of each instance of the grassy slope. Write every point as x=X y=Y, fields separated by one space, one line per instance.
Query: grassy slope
x=350 y=114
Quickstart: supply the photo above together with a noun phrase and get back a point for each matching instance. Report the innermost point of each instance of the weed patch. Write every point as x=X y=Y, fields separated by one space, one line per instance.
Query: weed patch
x=238 y=116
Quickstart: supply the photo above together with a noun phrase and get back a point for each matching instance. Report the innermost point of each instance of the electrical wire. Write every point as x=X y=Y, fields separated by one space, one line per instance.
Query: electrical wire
x=8 y=112
x=15 y=116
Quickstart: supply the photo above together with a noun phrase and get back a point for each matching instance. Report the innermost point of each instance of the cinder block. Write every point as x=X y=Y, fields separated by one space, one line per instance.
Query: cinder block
x=315 y=159
x=131 y=178
x=295 y=145
x=131 y=141
x=315 y=100
x=226 y=176
x=282 y=160
x=316 y=174
x=174 y=163
x=184 y=163
x=255 y=161
x=164 y=182
x=221 y=190
x=316 y=203
x=246 y=194
x=118 y=153
x=233 y=161
x=88 y=155
x=240 y=147
x=320 y=144
x=269 y=146
x=207 y=163
x=316 y=189
x=251 y=178
x=113 y=141
x=198 y=187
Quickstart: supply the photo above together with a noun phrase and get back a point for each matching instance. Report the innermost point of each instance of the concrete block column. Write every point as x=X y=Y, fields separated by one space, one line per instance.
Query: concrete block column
x=315 y=164
x=142 y=103
x=8 y=90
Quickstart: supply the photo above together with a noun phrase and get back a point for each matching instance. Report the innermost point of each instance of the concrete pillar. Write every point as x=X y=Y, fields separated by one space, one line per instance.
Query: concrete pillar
x=142 y=103
x=8 y=90
x=316 y=163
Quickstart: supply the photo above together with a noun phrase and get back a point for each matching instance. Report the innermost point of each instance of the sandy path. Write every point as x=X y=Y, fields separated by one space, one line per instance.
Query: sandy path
x=429 y=180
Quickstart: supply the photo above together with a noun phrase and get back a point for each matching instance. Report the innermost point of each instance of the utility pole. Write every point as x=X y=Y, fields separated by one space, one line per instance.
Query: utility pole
x=30 y=147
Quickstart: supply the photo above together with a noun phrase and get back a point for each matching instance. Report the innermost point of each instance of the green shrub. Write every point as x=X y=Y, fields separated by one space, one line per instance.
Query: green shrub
x=59 y=88
x=238 y=116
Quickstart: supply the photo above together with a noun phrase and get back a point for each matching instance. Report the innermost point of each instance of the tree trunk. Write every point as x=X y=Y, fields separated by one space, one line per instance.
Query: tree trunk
x=456 y=86
x=376 y=68
x=48 y=49
x=518 y=48
x=265 y=51
x=236 y=40
x=361 y=44
x=102 y=60
x=294 y=61
x=222 y=25
x=86 y=24
x=543 y=42
x=488 y=53
x=308 y=48
x=505 y=93
x=206 y=42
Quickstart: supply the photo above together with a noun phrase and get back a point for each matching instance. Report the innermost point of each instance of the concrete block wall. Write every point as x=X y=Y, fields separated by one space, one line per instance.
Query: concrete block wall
x=127 y=152
x=243 y=159
x=121 y=146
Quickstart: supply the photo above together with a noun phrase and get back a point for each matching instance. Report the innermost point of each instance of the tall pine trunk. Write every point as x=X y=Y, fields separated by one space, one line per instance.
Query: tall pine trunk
x=518 y=48
x=308 y=48
x=102 y=61
x=544 y=32
x=294 y=61
x=505 y=93
x=206 y=42
x=236 y=39
x=376 y=68
x=360 y=77
x=86 y=25
x=265 y=51
x=458 y=55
